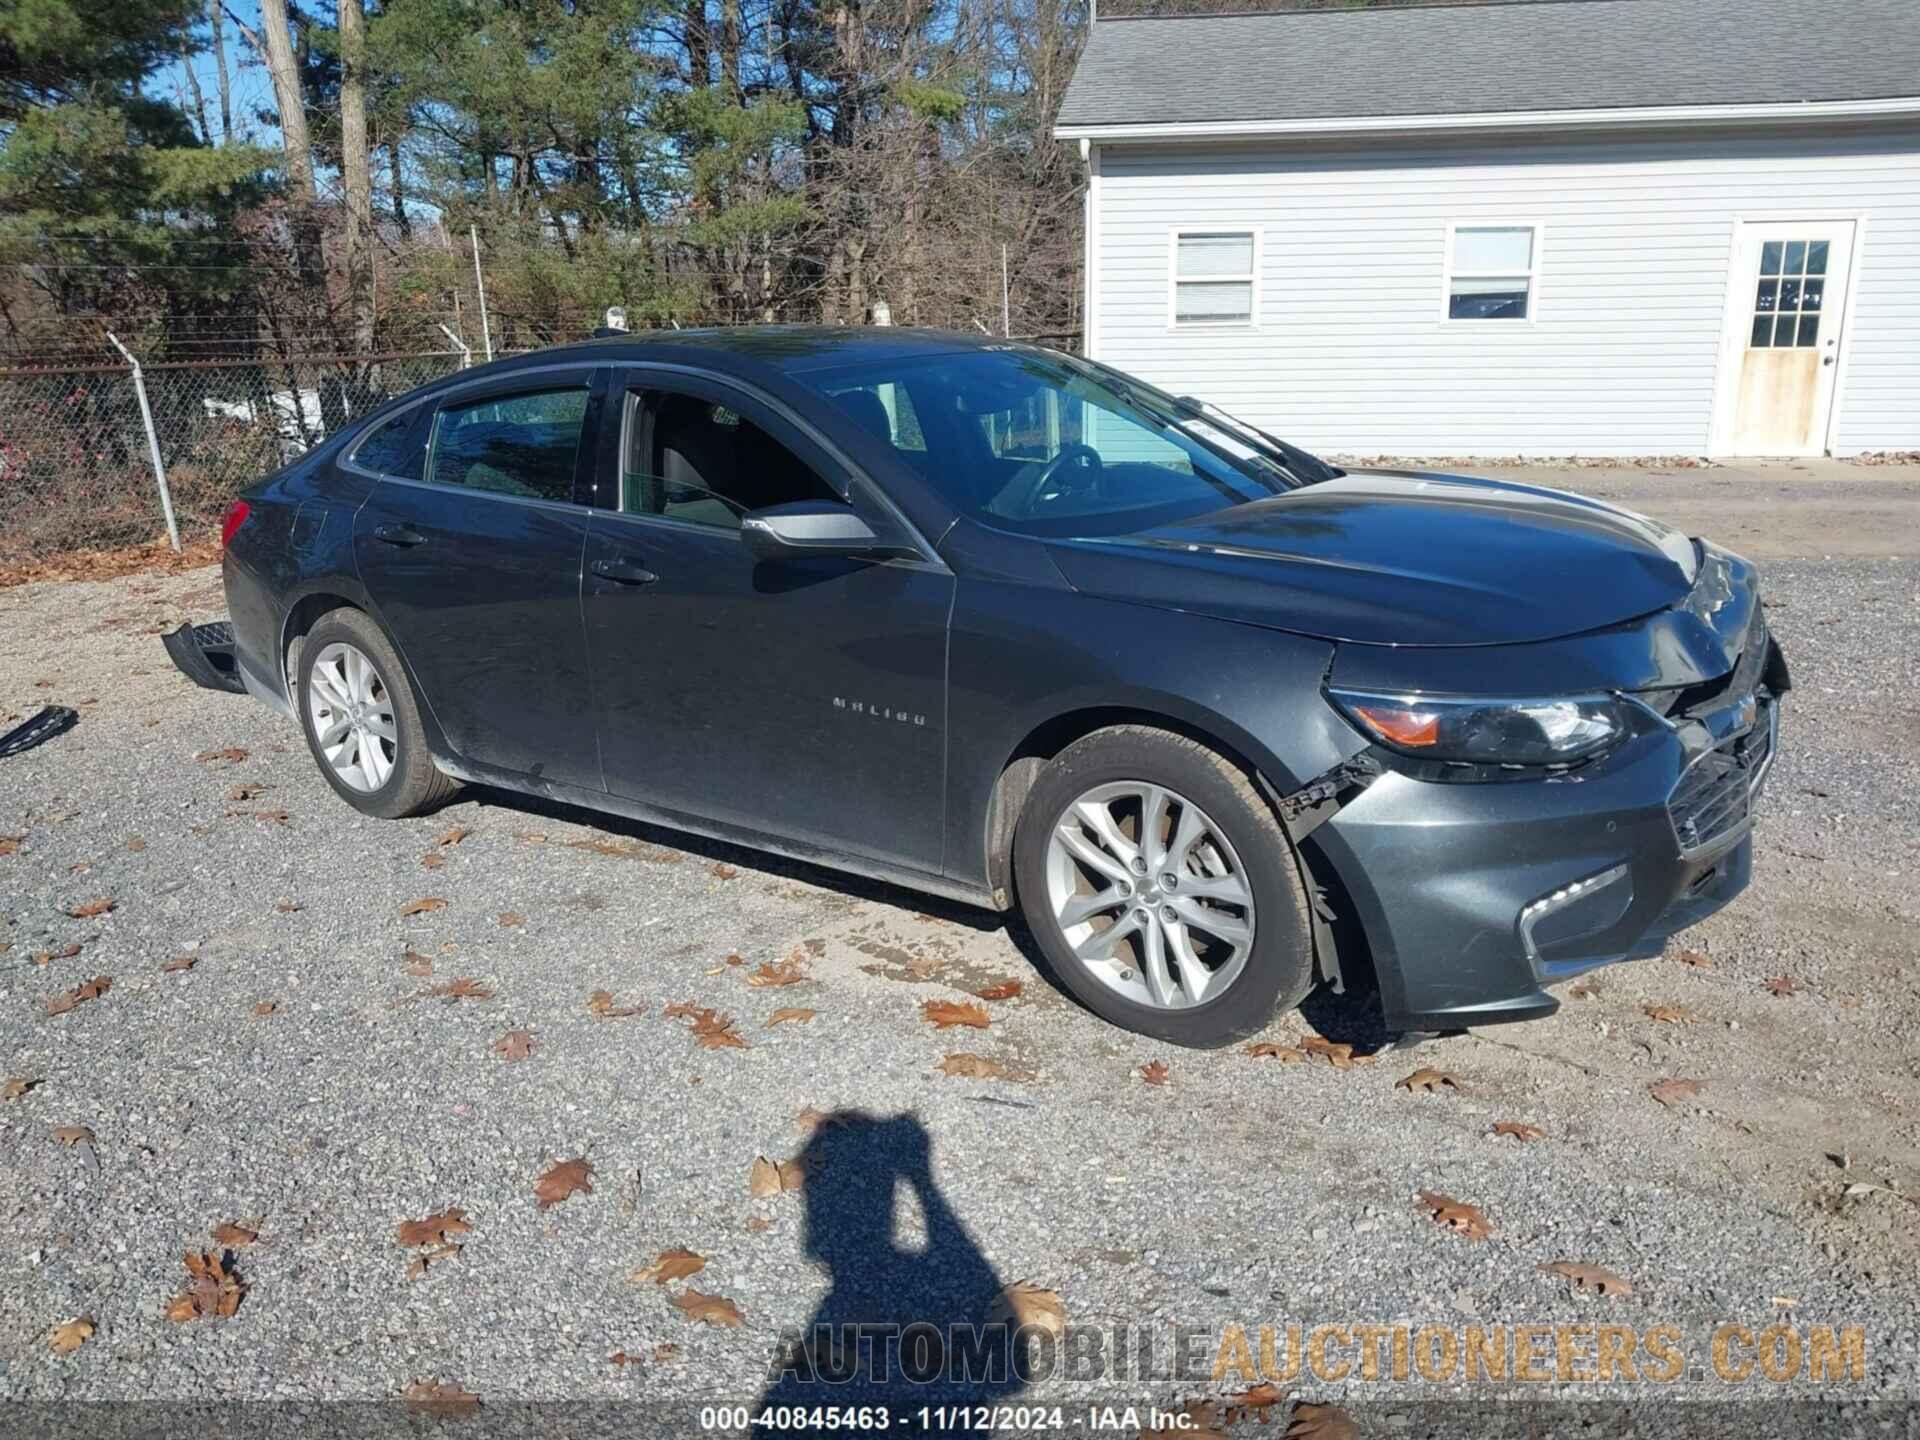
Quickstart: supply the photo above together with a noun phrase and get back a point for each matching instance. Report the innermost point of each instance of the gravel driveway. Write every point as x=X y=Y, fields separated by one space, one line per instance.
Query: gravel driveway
x=330 y=1065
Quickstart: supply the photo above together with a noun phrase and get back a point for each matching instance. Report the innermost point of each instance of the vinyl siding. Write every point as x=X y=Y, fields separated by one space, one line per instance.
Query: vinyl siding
x=1350 y=353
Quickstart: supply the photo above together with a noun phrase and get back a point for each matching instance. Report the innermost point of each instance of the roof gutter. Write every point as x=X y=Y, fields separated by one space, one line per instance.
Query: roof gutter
x=1620 y=117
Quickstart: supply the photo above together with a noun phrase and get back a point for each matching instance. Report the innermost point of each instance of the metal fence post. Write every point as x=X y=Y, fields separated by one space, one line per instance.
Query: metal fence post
x=466 y=351
x=153 y=442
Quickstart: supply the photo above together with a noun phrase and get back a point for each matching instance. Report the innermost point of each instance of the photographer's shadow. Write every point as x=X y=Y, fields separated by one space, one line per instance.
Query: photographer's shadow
x=903 y=1326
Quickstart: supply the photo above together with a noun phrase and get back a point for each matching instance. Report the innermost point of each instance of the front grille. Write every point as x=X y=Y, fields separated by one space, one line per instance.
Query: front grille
x=1714 y=798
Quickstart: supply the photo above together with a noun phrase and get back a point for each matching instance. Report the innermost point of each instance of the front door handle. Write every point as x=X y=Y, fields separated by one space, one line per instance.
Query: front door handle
x=624 y=572
x=405 y=536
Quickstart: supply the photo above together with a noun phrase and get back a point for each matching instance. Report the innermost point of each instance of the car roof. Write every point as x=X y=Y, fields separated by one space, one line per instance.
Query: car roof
x=756 y=349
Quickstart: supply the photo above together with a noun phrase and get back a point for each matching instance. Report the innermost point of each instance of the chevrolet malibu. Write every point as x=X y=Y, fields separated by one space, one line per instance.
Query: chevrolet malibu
x=1221 y=721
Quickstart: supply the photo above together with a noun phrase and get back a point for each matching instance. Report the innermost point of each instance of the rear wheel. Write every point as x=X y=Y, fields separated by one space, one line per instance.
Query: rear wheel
x=1162 y=889
x=362 y=721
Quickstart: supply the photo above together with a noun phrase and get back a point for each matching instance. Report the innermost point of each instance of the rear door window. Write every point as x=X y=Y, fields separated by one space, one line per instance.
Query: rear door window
x=525 y=445
x=390 y=448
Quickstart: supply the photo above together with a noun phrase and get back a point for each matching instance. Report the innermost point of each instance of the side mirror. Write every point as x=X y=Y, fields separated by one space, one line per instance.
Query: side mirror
x=807 y=527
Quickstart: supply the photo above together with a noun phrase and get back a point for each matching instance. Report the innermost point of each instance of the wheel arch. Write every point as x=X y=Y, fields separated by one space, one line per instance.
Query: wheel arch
x=338 y=592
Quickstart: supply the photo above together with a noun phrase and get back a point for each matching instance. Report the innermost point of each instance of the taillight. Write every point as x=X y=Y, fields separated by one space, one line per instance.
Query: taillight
x=236 y=517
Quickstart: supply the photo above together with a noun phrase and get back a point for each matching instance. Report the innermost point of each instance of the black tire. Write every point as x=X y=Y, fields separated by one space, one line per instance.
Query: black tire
x=1278 y=973
x=414 y=786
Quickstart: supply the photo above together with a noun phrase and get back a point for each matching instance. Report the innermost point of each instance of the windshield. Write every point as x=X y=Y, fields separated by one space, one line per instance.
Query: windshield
x=1049 y=445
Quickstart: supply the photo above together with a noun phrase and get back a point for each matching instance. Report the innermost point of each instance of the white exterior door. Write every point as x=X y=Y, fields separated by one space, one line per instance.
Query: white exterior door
x=1784 y=311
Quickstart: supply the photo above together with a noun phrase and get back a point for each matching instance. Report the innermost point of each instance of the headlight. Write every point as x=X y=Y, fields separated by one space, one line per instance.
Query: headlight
x=1487 y=732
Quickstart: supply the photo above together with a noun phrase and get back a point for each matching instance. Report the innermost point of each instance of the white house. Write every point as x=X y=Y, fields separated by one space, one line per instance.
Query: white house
x=1560 y=227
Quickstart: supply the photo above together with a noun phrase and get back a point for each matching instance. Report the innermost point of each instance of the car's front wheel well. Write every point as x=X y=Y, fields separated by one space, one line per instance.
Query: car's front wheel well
x=1047 y=740
x=301 y=619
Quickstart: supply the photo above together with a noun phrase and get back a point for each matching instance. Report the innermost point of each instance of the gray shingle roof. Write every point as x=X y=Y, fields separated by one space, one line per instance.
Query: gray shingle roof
x=1463 y=59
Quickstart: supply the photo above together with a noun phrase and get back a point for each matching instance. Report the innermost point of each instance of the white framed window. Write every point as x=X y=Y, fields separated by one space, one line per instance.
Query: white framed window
x=1213 y=277
x=1493 y=271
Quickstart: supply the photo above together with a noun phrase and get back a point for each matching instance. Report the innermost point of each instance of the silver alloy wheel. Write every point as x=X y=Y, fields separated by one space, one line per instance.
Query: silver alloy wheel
x=351 y=711
x=1150 y=895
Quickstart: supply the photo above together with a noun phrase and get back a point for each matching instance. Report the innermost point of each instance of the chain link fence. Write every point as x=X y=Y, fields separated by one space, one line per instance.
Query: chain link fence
x=77 y=470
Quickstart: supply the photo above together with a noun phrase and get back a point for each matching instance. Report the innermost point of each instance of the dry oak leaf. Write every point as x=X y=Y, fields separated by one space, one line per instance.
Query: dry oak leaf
x=942 y=1014
x=246 y=790
x=235 y=1236
x=1672 y=1092
x=1589 y=1277
x=65 y=952
x=1268 y=1050
x=179 y=965
x=288 y=907
x=1516 y=1130
x=464 y=988
x=10 y=844
x=17 y=1087
x=1429 y=1081
x=669 y=1265
x=1781 y=985
x=1321 y=1422
x=73 y=1135
x=514 y=1045
x=437 y=1229
x=716 y=1032
x=1669 y=1014
x=419 y=966
x=80 y=994
x=1696 y=958
x=711 y=1309
x=562 y=1180
x=970 y=1067
x=431 y=860
x=426 y=1261
x=720 y=870
x=422 y=907
x=71 y=1335
x=453 y=836
x=766 y=1178
x=1261 y=1397
x=1455 y=1215
x=511 y=918
x=443 y=1401
x=1024 y=1304
x=1004 y=990
x=213 y=1290
x=233 y=755
x=1337 y=1053
x=790 y=971
x=265 y=1008
x=1155 y=1072
x=600 y=1004
x=98 y=906
x=794 y=1015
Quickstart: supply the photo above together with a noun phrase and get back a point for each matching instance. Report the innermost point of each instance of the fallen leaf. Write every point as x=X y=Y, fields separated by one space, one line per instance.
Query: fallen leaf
x=1672 y=1092
x=1261 y=1397
x=464 y=988
x=734 y=959
x=264 y=1009
x=17 y=1087
x=810 y=1120
x=71 y=1335
x=73 y=1135
x=432 y=860
x=236 y=1236
x=562 y=1180
x=790 y=971
x=796 y=1016
x=1589 y=1277
x=453 y=836
x=441 y=1401
x=1455 y=1215
x=437 y=1229
x=1429 y=1081
x=514 y=1045
x=10 y=844
x=1669 y=1014
x=1514 y=1129
x=1583 y=990
x=722 y=871
x=669 y=1265
x=1024 y=1304
x=757 y=1223
x=233 y=755
x=419 y=966
x=246 y=790
x=1005 y=990
x=425 y=1261
x=65 y=952
x=1338 y=1054
x=1321 y=1422
x=710 y=1309
x=970 y=1067
x=180 y=964
x=136 y=844
x=1781 y=985
x=1285 y=1054
x=511 y=918
x=1155 y=1072
x=272 y=817
x=622 y=1358
x=80 y=994
x=766 y=1178
x=288 y=907
x=531 y=837
x=92 y=908
x=716 y=1032
x=942 y=1014
x=213 y=1290
x=422 y=907
x=1696 y=958
x=600 y=1004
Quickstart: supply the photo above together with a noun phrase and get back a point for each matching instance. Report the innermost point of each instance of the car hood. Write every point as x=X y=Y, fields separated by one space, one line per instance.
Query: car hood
x=1389 y=557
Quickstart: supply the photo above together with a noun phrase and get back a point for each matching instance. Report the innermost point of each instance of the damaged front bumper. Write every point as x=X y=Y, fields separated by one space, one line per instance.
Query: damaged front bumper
x=204 y=654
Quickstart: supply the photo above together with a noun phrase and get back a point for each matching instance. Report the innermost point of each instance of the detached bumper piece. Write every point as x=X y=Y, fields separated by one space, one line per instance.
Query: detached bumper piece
x=204 y=654
x=51 y=721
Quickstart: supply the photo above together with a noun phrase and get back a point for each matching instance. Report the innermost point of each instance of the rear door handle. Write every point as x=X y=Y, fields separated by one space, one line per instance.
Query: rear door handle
x=624 y=572
x=405 y=536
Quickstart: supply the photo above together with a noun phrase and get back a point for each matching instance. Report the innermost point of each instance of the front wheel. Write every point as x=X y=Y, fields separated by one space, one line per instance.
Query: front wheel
x=362 y=721
x=1162 y=889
